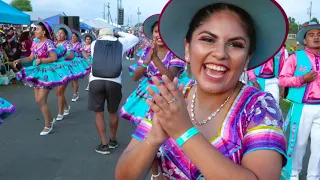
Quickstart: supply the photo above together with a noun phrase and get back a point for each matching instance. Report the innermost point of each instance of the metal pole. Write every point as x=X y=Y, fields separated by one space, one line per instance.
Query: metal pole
x=139 y=13
x=104 y=11
x=310 y=10
x=108 y=12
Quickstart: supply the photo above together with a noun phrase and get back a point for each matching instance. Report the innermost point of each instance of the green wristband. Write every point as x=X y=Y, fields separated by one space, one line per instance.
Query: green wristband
x=145 y=66
x=186 y=136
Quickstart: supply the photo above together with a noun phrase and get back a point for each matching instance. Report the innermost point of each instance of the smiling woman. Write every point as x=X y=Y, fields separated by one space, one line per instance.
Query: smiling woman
x=243 y=124
x=227 y=38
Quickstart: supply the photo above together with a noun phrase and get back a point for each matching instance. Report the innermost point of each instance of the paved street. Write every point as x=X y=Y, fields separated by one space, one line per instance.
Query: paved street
x=68 y=153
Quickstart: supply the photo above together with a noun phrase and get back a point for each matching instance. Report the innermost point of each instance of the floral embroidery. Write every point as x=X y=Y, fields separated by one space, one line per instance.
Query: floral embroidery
x=45 y=78
x=265 y=112
x=293 y=132
x=43 y=52
x=269 y=122
x=68 y=45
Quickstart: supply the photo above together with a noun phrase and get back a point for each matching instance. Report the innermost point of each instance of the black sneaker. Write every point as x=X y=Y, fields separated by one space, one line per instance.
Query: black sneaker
x=113 y=144
x=103 y=149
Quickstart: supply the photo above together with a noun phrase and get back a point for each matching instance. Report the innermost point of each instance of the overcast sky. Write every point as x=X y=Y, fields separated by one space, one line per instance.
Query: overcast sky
x=90 y=9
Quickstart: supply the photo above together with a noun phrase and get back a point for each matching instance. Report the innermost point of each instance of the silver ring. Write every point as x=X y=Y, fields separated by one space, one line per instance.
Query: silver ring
x=173 y=100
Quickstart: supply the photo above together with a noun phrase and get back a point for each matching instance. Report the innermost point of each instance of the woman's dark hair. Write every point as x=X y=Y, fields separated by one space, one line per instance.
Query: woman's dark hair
x=153 y=26
x=43 y=27
x=31 y=33
x=24 y=36
x=206 y=12
x=88 y=36
x=64 y=30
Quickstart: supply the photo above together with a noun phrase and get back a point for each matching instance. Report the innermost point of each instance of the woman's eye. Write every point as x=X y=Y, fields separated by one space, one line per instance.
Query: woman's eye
x=209 y=40
x=236 y=45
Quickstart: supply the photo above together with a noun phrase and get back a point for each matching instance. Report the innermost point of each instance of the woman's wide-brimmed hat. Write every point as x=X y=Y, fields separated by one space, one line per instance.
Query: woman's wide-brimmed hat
x=63 y=26
x=77 y=33
x=270 y=23
x=48 y=27
x=148 y=23
x=83 y=37
x=303 y=31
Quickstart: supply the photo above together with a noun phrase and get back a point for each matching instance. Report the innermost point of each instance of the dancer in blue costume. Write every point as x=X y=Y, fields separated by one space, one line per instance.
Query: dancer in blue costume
x=80 y=60
x=65 y=53
x=88 y=39
x=6 y=109
x=45 y=73
x=156 y=61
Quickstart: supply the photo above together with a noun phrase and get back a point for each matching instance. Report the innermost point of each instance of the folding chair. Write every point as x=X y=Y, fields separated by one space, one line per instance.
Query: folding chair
x=4 y=64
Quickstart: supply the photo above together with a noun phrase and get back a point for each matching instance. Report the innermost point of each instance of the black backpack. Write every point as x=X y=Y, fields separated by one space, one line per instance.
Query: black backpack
x=107 y=59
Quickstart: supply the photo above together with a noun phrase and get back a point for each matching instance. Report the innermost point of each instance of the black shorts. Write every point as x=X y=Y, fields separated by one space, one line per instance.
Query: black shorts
x=101 y=90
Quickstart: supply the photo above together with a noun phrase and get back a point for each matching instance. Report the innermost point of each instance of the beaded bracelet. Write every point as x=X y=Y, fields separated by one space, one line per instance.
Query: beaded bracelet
x=186 y=136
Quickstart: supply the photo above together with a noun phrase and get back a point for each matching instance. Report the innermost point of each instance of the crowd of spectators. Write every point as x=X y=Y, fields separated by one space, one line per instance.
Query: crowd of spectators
x=14 y=44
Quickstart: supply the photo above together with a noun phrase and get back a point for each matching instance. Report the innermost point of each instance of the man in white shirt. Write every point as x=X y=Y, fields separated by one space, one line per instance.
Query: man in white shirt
x=109 y=89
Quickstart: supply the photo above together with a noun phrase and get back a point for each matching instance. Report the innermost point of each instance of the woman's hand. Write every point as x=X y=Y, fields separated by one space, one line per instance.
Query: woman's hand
x=149 y=59
x=170 y=107
x=154 y=51
x=38 y=61
x=157 y=136
x=150 y=54
x=16 y=62
x=310 y=77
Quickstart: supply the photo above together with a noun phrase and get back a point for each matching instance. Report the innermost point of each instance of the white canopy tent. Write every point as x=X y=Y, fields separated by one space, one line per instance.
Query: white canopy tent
x=112 y=24
x=99 y=23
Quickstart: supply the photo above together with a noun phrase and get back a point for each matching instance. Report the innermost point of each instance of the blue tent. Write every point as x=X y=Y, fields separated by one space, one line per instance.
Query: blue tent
x=11 y=15
x=54 y=20
x=84 y=26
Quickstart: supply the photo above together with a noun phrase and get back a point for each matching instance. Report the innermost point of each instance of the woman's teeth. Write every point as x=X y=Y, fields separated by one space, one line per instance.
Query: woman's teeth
x=216 y=67
x=215 y=71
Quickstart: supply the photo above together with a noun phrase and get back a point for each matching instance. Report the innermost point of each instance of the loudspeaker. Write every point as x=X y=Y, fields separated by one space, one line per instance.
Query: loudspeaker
x=120 y=16
x=74 y=22
x=71 y=21
x=64 y=20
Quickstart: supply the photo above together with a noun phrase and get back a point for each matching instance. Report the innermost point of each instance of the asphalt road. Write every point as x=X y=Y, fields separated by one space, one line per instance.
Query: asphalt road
x=66 y=154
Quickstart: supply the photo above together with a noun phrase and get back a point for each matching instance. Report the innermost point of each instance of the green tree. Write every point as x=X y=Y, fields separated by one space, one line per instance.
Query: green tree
x=138 y=25
x=315 y=20
x=312 y=20
x=293 y=26
x=22 y=5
